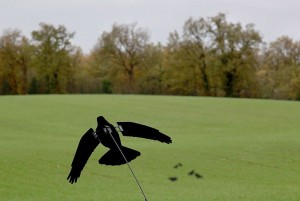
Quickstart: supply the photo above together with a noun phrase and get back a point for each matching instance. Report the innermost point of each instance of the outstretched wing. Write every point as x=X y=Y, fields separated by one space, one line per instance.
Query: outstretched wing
x=86 y=146
x=139 y=130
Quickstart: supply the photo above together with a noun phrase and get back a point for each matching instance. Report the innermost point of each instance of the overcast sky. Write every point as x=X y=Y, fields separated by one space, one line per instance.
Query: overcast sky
x=89 y=18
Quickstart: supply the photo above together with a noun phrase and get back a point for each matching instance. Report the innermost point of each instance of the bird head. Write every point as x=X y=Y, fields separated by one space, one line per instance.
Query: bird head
x=102 y=124
x=101 y=121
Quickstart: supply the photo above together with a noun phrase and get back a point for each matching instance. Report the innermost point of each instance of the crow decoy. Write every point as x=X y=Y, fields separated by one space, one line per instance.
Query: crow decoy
x=108 y=136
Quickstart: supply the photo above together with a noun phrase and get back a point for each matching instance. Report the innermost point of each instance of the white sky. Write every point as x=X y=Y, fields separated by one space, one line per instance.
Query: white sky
x=89 y=18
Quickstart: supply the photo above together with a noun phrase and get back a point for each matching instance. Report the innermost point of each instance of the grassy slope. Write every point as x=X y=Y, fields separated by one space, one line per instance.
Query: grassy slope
x=245 y=149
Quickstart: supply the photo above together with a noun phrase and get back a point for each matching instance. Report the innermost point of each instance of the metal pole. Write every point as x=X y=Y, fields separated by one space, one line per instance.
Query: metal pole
x=109 y=131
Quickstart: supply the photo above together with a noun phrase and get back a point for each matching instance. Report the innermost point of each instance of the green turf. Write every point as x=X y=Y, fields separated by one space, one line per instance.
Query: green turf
x=244 y=149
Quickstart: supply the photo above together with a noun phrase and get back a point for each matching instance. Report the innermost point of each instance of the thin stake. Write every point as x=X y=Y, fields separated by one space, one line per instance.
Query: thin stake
x=109 y=131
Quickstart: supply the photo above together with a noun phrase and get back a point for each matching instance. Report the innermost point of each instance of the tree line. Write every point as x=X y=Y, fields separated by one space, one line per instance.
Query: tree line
x=208 y=57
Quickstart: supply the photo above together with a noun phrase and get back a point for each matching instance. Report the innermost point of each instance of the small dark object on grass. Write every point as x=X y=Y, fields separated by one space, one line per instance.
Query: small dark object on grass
x=191 y=173
x=178 y=165
x=198 y=176
x=173 y=178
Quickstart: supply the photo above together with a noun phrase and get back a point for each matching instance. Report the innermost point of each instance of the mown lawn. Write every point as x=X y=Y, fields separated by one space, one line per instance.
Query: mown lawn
x=244 y=149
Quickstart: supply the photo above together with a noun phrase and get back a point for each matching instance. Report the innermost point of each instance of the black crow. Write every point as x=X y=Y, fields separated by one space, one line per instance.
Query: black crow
x=178 y=165
x=191 y=172
x=107 y=135
x=173 y=178
x=198 y=176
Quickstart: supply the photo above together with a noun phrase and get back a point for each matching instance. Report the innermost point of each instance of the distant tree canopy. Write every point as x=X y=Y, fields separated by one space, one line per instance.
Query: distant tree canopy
x=15 y=57
x=53 y=54
x=212 y=57
x=122 y=53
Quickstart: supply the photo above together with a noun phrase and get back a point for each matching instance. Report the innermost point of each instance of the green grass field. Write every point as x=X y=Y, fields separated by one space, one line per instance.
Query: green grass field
x=244 y=149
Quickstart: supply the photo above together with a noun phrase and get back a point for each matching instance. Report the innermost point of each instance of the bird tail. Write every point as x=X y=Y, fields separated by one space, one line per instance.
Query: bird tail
x=114 y=156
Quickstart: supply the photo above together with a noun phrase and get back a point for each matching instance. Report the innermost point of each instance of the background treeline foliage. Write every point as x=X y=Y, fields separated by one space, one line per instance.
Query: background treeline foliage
x=209 y=57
